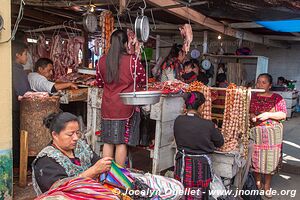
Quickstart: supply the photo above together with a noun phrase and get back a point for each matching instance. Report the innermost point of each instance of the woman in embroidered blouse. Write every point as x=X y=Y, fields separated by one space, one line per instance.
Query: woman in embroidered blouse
x=120 y=122
x=66 y=156
x=266 y=110
x=195 y=138
x=172 y=66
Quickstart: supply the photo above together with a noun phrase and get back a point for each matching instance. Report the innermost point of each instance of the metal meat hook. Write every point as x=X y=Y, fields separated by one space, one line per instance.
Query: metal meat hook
x=145 y=6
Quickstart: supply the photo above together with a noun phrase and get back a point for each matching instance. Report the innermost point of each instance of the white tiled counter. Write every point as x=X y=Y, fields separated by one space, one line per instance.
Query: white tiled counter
x=290 y=98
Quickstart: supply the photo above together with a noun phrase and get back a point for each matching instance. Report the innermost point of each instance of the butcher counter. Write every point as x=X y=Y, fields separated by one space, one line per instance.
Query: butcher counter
x=72 y=95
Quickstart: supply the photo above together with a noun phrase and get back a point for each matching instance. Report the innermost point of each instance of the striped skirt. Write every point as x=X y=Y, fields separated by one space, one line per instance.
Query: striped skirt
x=267 y=148
x=122 y=131
x=196 y=174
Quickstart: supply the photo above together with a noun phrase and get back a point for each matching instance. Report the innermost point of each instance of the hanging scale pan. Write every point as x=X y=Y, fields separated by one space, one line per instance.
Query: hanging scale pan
x=142 y=28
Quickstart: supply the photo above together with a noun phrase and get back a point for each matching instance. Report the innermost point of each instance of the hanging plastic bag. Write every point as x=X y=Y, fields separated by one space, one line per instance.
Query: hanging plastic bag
x=250 y=185
x=216 y=186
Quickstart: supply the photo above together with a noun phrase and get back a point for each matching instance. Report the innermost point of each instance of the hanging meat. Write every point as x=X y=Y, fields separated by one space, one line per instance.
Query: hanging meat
x=56 y=57
x=187 y=35
x=42 y=48
x=65 y=61
x=78 y=45
x=32 y=48
x=56 y=46
x=97 y=46
x=65 y=54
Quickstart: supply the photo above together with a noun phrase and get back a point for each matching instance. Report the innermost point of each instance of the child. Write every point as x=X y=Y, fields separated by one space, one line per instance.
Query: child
x=20 y=87
x=189 y=75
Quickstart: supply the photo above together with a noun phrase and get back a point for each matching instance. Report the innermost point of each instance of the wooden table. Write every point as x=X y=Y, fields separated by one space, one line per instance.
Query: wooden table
x=165 y=112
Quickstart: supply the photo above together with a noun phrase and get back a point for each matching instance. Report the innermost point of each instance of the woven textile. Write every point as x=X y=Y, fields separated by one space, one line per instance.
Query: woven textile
x=77 y=189
x=267 y=148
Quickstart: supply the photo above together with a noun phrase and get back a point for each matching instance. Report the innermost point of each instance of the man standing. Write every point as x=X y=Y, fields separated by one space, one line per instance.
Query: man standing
x=40 y=79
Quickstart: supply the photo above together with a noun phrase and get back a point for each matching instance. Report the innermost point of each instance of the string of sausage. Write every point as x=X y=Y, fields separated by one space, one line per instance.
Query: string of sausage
x=106 y=24
x=235 y=124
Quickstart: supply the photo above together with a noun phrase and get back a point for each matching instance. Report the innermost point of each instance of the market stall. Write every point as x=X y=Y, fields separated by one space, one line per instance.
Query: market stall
x=230 y=161
x=75 y=34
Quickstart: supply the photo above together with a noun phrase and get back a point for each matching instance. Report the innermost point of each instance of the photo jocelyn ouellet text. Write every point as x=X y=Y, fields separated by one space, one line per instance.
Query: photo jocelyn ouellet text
x=197 y=192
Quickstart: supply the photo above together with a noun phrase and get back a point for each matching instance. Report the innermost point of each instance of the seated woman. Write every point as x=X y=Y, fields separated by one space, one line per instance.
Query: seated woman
x=66 y=156
x=195 y=138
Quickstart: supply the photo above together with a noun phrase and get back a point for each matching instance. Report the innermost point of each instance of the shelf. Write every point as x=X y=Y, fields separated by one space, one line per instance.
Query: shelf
x=87 y=71
x=235 y=56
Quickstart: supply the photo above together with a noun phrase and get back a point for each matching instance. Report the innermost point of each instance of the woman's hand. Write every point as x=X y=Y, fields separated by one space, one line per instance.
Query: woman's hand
x=99 y=167
x=264 y=116
x=253 y=117
x=102 y=165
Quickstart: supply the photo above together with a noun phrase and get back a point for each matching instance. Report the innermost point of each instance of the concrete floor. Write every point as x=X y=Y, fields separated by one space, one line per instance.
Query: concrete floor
x=291 y=145
x=26 y=193
x=287 y=179
x=283 y=182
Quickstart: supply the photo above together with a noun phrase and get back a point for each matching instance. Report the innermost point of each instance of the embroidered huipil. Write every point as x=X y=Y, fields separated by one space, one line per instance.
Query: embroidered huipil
x=112 y=107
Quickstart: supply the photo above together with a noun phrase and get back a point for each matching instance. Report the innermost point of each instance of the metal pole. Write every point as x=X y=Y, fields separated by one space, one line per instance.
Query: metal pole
x=205 y=42
x=251 y=90
x=157 y=50
x=50 y=28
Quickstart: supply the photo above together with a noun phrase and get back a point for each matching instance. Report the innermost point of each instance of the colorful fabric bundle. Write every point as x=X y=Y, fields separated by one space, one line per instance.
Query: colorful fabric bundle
x=117 y=176
x=165 y=188
x=77 y=189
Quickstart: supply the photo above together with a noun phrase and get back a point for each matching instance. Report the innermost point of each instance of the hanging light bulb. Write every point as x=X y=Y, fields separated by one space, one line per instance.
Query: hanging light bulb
x=219 y=37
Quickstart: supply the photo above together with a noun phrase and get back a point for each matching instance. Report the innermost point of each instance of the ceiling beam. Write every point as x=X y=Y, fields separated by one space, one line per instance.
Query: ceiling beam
x=282 y=37
x=179 y=5
x=196 y=3
x=245 y=25
x=51 y=19
x=296 y=34
x=28 y=19
x=58 y=13
x=51 y=28
x=171 y=27
x=66 y=3
x=199 y=18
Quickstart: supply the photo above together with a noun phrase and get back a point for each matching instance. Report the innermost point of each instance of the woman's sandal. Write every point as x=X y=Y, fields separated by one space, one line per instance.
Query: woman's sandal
x=268 y=194
x=260 y=186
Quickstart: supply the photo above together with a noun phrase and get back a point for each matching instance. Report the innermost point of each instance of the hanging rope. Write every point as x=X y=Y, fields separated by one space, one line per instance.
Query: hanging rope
x=187 y=10
x=153 y=21
x=20 y=17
